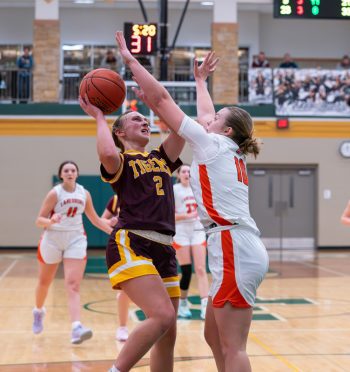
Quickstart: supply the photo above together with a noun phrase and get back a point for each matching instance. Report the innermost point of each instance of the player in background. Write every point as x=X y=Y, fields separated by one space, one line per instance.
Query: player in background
x=345 y=217
x=111 y=213
x=189 y=240
x=140 y=258
x=238 y=260
x=64 y=239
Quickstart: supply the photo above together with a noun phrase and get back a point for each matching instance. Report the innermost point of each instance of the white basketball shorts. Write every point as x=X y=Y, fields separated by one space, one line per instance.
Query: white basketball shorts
x=186 y=235
x=238 y=262
x=56 y=245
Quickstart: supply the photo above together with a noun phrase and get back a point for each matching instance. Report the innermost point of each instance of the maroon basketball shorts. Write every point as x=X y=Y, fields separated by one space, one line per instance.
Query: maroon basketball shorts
x=130 y=256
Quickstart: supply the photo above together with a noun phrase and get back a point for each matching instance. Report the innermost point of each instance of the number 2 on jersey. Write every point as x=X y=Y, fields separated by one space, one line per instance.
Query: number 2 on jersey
x=241 y=171
x=159 y=183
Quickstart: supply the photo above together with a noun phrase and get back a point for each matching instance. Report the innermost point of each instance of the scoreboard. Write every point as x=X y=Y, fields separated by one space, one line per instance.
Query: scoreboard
x=141 y=38
x=326 y=9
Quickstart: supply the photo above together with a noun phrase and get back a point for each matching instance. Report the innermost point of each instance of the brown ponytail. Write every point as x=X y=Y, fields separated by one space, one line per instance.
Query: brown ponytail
x=250 y=146
x=242 y=124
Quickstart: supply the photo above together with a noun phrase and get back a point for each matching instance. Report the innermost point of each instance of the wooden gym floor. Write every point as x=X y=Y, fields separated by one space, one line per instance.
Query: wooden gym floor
x=302 y=321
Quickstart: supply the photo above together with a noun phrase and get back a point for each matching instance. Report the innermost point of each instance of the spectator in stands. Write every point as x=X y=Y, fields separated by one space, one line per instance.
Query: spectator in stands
x=25 y=66
x=344 y=64
x=260 y=84
x=288 y=62
x=260 y=61
x=113 y=62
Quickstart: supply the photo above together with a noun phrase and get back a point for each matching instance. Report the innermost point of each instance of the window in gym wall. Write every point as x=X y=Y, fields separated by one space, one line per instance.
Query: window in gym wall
x=76 y=56
x=243 y=60
x=10 y=53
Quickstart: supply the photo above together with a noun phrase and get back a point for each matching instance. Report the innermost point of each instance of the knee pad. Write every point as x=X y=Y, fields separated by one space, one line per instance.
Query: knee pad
x=185 y=281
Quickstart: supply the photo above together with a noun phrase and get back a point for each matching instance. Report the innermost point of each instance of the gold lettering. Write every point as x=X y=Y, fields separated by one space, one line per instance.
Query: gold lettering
x=154 y=167
x=142 y=168
x=146 y=165
x=133 y=165
x=162 y=165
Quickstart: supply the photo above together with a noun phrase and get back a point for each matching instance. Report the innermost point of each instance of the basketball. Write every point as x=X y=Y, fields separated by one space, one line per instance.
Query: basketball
x=105 y=89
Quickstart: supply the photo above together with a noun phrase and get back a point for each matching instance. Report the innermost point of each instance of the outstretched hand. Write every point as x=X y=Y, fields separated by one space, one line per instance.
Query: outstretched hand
x=207 y=67
x=123 y=49
x=89 y=108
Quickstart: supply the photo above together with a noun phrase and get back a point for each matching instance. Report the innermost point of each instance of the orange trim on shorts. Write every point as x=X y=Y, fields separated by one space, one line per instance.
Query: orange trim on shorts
x=178 y=246
x=229 y=291
x=39 y=256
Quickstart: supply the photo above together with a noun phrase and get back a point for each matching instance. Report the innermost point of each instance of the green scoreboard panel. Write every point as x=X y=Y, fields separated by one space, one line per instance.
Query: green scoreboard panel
x=326 y=9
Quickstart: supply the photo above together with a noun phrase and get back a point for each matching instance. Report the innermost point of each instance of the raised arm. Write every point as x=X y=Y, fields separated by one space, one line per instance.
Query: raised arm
x=156 y=93
x=205 y=106
x=345 y=217
x=173 y=144
x=106 y=148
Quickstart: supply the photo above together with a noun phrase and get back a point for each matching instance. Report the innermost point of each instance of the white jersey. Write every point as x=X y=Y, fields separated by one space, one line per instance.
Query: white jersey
x=218 y=177
x=71 y=205
x=184 y=202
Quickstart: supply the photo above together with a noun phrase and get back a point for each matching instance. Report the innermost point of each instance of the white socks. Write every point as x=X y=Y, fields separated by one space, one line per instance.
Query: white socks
x=76 y=324
x=42 y=309
x=114 y=369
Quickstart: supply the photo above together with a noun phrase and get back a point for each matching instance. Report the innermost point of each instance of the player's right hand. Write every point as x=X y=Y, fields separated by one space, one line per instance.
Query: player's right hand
x=55 y=218
x=207 y=67
x=123 y=49
x=89 y=108
x=113 y=221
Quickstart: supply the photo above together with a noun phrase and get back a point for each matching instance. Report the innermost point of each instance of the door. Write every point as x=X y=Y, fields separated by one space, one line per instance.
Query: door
x=283 y=204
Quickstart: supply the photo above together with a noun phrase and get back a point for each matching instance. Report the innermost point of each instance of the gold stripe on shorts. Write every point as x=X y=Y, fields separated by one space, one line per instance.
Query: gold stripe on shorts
x=130 y=265
x=172 y=286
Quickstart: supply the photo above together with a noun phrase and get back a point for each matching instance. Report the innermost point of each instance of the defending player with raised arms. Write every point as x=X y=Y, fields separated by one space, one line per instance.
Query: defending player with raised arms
x=238 y=259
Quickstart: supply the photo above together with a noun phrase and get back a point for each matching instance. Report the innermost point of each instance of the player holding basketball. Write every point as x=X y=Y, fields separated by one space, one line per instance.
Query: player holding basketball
x=64 y=239
x=237 y=258
x=140 y=258
x=189 y=240
x=111 y=213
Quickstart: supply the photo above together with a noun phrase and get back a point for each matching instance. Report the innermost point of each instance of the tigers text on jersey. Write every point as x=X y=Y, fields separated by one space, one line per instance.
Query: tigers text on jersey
x=184 y=201
x=218 y=177
x=143 y=185
x=71 y=205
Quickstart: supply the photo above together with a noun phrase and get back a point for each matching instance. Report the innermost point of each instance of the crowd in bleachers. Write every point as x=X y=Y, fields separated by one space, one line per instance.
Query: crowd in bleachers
x=312 y=89
x=301 y=91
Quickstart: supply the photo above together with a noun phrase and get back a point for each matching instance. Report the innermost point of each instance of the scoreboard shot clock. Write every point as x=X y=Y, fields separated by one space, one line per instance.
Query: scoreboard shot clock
x=141 y=38
x=323 y=9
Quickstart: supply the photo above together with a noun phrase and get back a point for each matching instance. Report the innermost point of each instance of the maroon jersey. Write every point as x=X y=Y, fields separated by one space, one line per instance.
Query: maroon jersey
x=113 y=205
x=144 y=187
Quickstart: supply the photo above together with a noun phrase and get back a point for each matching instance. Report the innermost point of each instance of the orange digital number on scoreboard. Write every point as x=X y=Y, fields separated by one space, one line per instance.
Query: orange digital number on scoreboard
x=141 y=38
